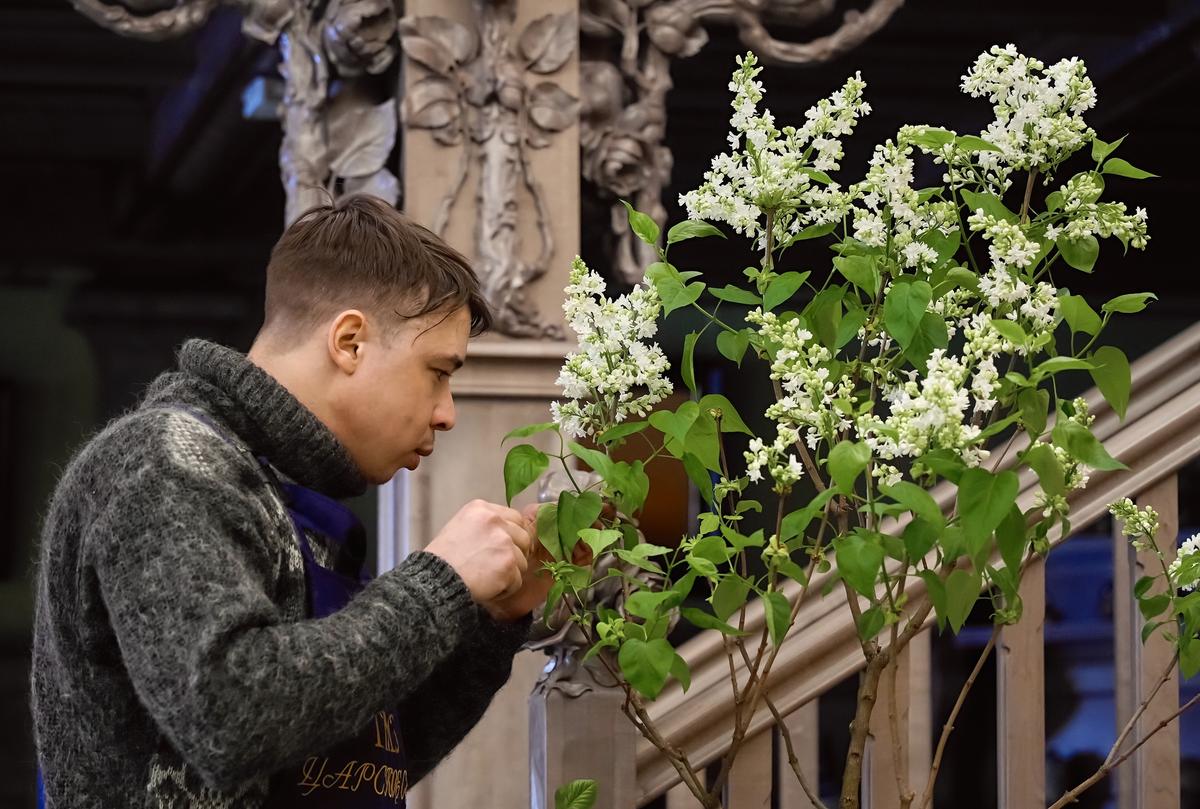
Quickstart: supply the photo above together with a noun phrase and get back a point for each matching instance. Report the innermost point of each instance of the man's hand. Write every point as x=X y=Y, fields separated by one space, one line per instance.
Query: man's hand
x=537 y=580
x=488 y=546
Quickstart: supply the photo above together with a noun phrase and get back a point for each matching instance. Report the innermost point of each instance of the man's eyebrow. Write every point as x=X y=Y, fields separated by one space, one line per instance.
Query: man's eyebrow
x=454 y=360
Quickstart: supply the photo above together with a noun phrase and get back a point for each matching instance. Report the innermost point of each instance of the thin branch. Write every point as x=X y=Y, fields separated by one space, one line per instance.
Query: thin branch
x=949 y=726
x=1073 y=795
x=901 y=772
x=1166 y=675
x=791 y=751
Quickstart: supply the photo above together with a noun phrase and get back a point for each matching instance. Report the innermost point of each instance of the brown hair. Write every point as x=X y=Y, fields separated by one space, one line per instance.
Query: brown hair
x=360 y=252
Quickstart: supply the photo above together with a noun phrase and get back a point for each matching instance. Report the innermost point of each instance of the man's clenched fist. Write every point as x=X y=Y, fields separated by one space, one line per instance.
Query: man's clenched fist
x=488 y=545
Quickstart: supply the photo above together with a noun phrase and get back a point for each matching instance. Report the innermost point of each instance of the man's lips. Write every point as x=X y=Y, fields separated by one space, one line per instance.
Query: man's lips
x=425 y=452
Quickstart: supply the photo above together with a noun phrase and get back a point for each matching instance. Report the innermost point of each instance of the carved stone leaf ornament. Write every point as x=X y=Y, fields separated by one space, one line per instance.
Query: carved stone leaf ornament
x=479 y=97
x=437 y=43
x=361 y=139
x=548 y=42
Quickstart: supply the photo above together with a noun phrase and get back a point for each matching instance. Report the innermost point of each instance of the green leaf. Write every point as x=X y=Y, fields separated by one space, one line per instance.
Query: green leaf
x=547 y=530
x=859 y=560
x=1122 y=168
x=646 y=228
x=690 y=229
x=702 y=441
x=854 y=319
x=945 y=463
x=1042 y=460
x=629 y=484
x=918 y=501
x=1079 y=442
x=983 y=500
x=623 y=430
x=1078 y=314
x=530 y=429
x=733 y=294
x=903 y=310
x=687 y=367
x=649 y=604
x=672 y=288
x=523 y=464
x=579 y=794
x=676 y=425
x=1011 y=537
x=974 y=143
x=599 y=540
x=782 y=288
x=1154 y=606
x=824 y=313
x=1056 y=365
x=1035 y=405
x=797 y=522
x=991 y=205
x=1009 y=331
x=731 y=422
x=847 y=460
x=945 y=246
x=681 y=672
x=637 y=561
x=815 y=231
x=594 y=458
x=733 y=345
x=712 y=548
x=860 y=271
x=779 y=615
x=919 y=538
x=930 y=137
x=962 y=591
x=1079 y=253
x=699 y=476
x=1054 y=200
x=931 y=334
x=1101 y=150
x=872 y=622
x=729 y=595
x=575 y=513
x=1129 y=304
x=1112 y=377
x=701 y=619
x=646 y=664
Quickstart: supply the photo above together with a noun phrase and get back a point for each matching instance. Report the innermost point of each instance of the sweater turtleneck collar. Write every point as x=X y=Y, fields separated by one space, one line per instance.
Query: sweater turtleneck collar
x=263 y=413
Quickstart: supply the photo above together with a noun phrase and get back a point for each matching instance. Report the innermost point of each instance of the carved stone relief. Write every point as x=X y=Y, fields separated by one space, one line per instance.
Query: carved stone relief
x=337 y=130
x=482 y=94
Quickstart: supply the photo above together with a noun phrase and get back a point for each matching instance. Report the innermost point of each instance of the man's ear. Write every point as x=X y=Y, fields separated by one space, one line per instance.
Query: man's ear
x=347 y=339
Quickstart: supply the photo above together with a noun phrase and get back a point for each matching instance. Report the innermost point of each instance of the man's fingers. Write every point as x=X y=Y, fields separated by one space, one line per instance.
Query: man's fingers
x=520 y=535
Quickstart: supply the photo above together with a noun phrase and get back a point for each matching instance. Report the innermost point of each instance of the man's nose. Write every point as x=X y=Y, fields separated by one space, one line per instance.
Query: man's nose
x=444 y=415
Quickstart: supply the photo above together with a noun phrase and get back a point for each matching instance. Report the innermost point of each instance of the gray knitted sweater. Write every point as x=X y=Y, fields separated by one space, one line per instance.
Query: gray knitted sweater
x=173 y=665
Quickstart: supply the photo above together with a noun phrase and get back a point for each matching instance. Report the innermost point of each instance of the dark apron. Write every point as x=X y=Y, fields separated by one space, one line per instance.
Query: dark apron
x=370 y=768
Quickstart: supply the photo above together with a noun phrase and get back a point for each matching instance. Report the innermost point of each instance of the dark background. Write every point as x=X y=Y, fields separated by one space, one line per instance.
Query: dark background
x=139 y=207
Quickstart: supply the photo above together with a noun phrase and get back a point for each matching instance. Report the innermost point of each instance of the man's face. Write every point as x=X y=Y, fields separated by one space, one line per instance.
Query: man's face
x=399 y=397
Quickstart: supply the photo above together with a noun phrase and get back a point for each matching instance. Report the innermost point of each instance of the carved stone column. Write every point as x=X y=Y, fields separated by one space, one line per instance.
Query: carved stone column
x=491 y=161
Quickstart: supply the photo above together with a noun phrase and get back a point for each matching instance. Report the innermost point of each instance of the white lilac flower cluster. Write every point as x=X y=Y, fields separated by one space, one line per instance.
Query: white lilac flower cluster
x=926 y=413
x=1183 y=570
x=1085 y=216
x=1039 y=110
x=892 y=213
x=772 y=170
x=777 y=458
x=800 y=365
x=614 y=373
x=1140 y=525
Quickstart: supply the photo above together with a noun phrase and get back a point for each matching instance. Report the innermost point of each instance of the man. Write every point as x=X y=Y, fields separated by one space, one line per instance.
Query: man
x=203 y=637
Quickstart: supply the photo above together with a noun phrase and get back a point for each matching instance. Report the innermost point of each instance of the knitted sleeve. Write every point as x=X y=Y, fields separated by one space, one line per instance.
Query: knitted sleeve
x=443 y=710
x=186 y=569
